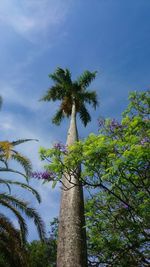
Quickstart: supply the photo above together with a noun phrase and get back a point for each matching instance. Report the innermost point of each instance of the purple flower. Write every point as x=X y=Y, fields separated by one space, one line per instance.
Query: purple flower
x=144 y=141
x=61 y=147
x=125 y=206
x=101 y=122
x=114 y=124
x=46 y=175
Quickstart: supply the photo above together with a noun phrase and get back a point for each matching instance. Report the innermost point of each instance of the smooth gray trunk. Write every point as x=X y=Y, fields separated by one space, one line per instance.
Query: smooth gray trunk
x=71 y=247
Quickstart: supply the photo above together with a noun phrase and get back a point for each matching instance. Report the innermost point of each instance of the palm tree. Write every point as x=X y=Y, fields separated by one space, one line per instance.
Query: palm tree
x=73 y=95
x=12 y=240
x=16 y=205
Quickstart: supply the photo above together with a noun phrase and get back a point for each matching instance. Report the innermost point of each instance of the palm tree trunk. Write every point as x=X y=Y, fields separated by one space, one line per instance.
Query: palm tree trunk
x=71 y=247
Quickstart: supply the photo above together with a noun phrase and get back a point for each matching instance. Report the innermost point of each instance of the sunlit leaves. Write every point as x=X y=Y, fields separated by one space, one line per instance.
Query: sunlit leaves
x=116 y=162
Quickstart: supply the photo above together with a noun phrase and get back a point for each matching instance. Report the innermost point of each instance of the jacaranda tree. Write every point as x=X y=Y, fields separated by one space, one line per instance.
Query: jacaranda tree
x=73 y=95
x=115 y=170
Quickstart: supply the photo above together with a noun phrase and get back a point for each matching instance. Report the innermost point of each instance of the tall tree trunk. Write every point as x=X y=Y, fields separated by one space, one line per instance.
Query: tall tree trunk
x=71 y=248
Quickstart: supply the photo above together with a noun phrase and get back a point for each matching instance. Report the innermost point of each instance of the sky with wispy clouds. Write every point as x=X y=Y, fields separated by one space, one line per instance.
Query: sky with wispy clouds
x=37 y=36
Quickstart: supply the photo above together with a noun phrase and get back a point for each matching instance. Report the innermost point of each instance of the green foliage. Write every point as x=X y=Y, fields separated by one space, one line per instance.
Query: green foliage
x=44 y=253
x=115 y=170
x=12 y=253
x=71 y=92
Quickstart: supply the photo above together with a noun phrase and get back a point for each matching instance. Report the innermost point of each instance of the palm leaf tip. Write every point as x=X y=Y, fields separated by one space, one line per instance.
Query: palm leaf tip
x=58 y=117
x=21 y=141
x=86 y=78
x=1 y=101
x=94 y=99
x=38 y=222
x=24 y=162
x=84 y=115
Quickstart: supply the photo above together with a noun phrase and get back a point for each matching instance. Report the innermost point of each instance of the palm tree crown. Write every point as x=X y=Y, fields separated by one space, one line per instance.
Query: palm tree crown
x=71 y=92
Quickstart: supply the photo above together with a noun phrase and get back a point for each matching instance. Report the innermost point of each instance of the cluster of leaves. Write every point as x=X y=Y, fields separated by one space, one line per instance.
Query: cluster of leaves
x=115 y=163
x=44 y=253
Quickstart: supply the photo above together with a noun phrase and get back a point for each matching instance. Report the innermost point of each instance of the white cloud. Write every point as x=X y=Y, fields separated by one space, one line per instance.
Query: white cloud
x=11 y=93
x=31 y=18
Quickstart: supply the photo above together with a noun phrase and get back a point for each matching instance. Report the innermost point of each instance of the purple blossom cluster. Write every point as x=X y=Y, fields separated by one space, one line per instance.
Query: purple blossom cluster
x=125 y=206
x=61 y=147
x=45 y=175
x=101 y=122
x=144 y=141
x=114 y=124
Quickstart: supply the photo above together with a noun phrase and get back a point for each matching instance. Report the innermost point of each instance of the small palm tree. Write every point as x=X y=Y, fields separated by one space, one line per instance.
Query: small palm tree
x=11 y=202
x=74 y=96
x=12 y=241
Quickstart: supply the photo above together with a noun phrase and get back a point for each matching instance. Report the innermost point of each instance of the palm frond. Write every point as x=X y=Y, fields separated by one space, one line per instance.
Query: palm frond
x=54 y=93
x=30 y=212
x=2 y=181
x=6 y=225
x=21 y=141
x=6 y=169
x=11 y=248
x=1 y=100
x=14 y=204
x=5 y=149
x=58 y=117
x=84 y=115
x=86 y=78
x=60 y=76
x=24 y=162
x=90 y=98
x=9 y=202
x=23 y=185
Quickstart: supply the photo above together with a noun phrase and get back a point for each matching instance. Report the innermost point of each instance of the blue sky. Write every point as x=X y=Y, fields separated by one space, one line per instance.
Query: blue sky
x=110 y=36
